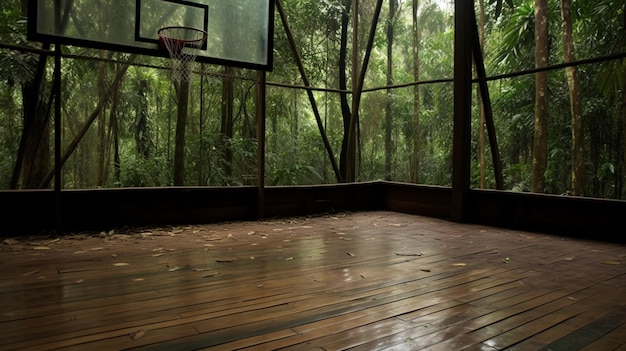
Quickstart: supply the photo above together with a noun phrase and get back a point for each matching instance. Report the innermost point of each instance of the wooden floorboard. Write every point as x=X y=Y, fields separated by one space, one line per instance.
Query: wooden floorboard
x=352 y=281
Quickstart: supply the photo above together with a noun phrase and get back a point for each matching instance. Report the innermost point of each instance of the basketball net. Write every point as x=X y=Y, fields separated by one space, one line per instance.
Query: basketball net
x=183 y=44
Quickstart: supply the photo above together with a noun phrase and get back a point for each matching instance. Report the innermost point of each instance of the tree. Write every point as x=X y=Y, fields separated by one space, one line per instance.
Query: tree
x=540 y=142
x=33 y=157
x=575 y=97
x=416 y=95
x=346 y=114
x=393 y=9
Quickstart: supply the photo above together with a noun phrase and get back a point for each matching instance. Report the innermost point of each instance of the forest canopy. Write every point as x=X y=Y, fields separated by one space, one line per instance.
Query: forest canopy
x=556 y=76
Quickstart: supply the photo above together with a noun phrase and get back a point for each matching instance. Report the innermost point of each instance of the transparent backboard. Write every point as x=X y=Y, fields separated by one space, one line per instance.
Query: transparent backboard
x=240 y=32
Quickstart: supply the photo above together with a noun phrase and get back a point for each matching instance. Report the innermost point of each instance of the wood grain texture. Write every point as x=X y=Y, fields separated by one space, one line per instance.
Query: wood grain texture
x=359 y=281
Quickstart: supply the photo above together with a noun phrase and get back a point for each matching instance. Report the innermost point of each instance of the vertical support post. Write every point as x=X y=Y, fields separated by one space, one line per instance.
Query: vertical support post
x=461 y=154
x=261 y=97
x=57 y=137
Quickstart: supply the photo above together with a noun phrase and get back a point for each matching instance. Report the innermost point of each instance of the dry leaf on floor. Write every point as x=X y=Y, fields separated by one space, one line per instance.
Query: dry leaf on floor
x=79 y=281
x=121 y=264
x=41 y=248
x=11 y=241
x=612 y=263
x=174 y=269
x=350 y=254
x=211 y=275
x=408 y=254
x=138 y=334
x=459 y=265
x=226 y=260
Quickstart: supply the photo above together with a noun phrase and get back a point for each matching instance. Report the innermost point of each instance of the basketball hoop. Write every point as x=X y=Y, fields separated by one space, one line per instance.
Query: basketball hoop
x=183 y=44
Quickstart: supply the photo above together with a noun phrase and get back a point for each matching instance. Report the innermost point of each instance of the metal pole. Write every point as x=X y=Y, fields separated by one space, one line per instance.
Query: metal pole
x=57 y=137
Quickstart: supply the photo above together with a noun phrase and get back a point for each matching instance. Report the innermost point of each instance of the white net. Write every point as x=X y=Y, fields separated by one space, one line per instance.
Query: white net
x=183 y=44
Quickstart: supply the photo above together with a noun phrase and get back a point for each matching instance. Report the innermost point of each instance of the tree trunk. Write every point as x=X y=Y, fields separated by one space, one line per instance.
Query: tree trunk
x=33 y=155
x=35 y=137
x=141 y=127
x=619 y=191
x=416 y=98
x=109 y=135
x=179 y=139
x=226 y=129
x=575 y=100
x=351 y=147
x=101 y=125
x=540 y=143
x=393 y=7
x=343 y=86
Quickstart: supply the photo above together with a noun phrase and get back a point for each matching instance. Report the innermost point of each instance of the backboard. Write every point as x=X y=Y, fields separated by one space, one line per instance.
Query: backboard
x=240 y=32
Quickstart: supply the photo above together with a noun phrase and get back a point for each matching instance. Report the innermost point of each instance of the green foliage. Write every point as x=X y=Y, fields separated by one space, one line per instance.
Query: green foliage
x=131 y=142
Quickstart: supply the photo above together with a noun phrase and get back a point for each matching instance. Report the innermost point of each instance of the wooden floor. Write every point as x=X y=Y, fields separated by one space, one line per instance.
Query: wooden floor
x=359 y=281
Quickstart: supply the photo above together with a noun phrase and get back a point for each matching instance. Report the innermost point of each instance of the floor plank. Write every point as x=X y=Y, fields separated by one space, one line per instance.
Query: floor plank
x=358 y=281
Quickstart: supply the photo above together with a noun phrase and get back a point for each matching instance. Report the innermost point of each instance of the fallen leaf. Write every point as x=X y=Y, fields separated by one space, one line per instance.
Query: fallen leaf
x=174 y=269
x=11 y=242
x=79 y=281
x=350 y=254
x=362 y=275
x=408 y=254
x=259 y=286
x=201 y=269
x=31 y=273
x=41 y=248
x=251 y=233
x=138 y=279
x=425 y=270
x=138 y=334
x=612 y=263
x=121 y=264
x=231 y=237
x=288 y=258
x=158 y=255
x=459 y=265
x=226 y=260
x=211 y=275
x=96 y=249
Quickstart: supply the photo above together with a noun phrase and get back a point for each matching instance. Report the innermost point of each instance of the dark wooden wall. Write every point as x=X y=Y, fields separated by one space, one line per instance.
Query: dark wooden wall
x=31 y=212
